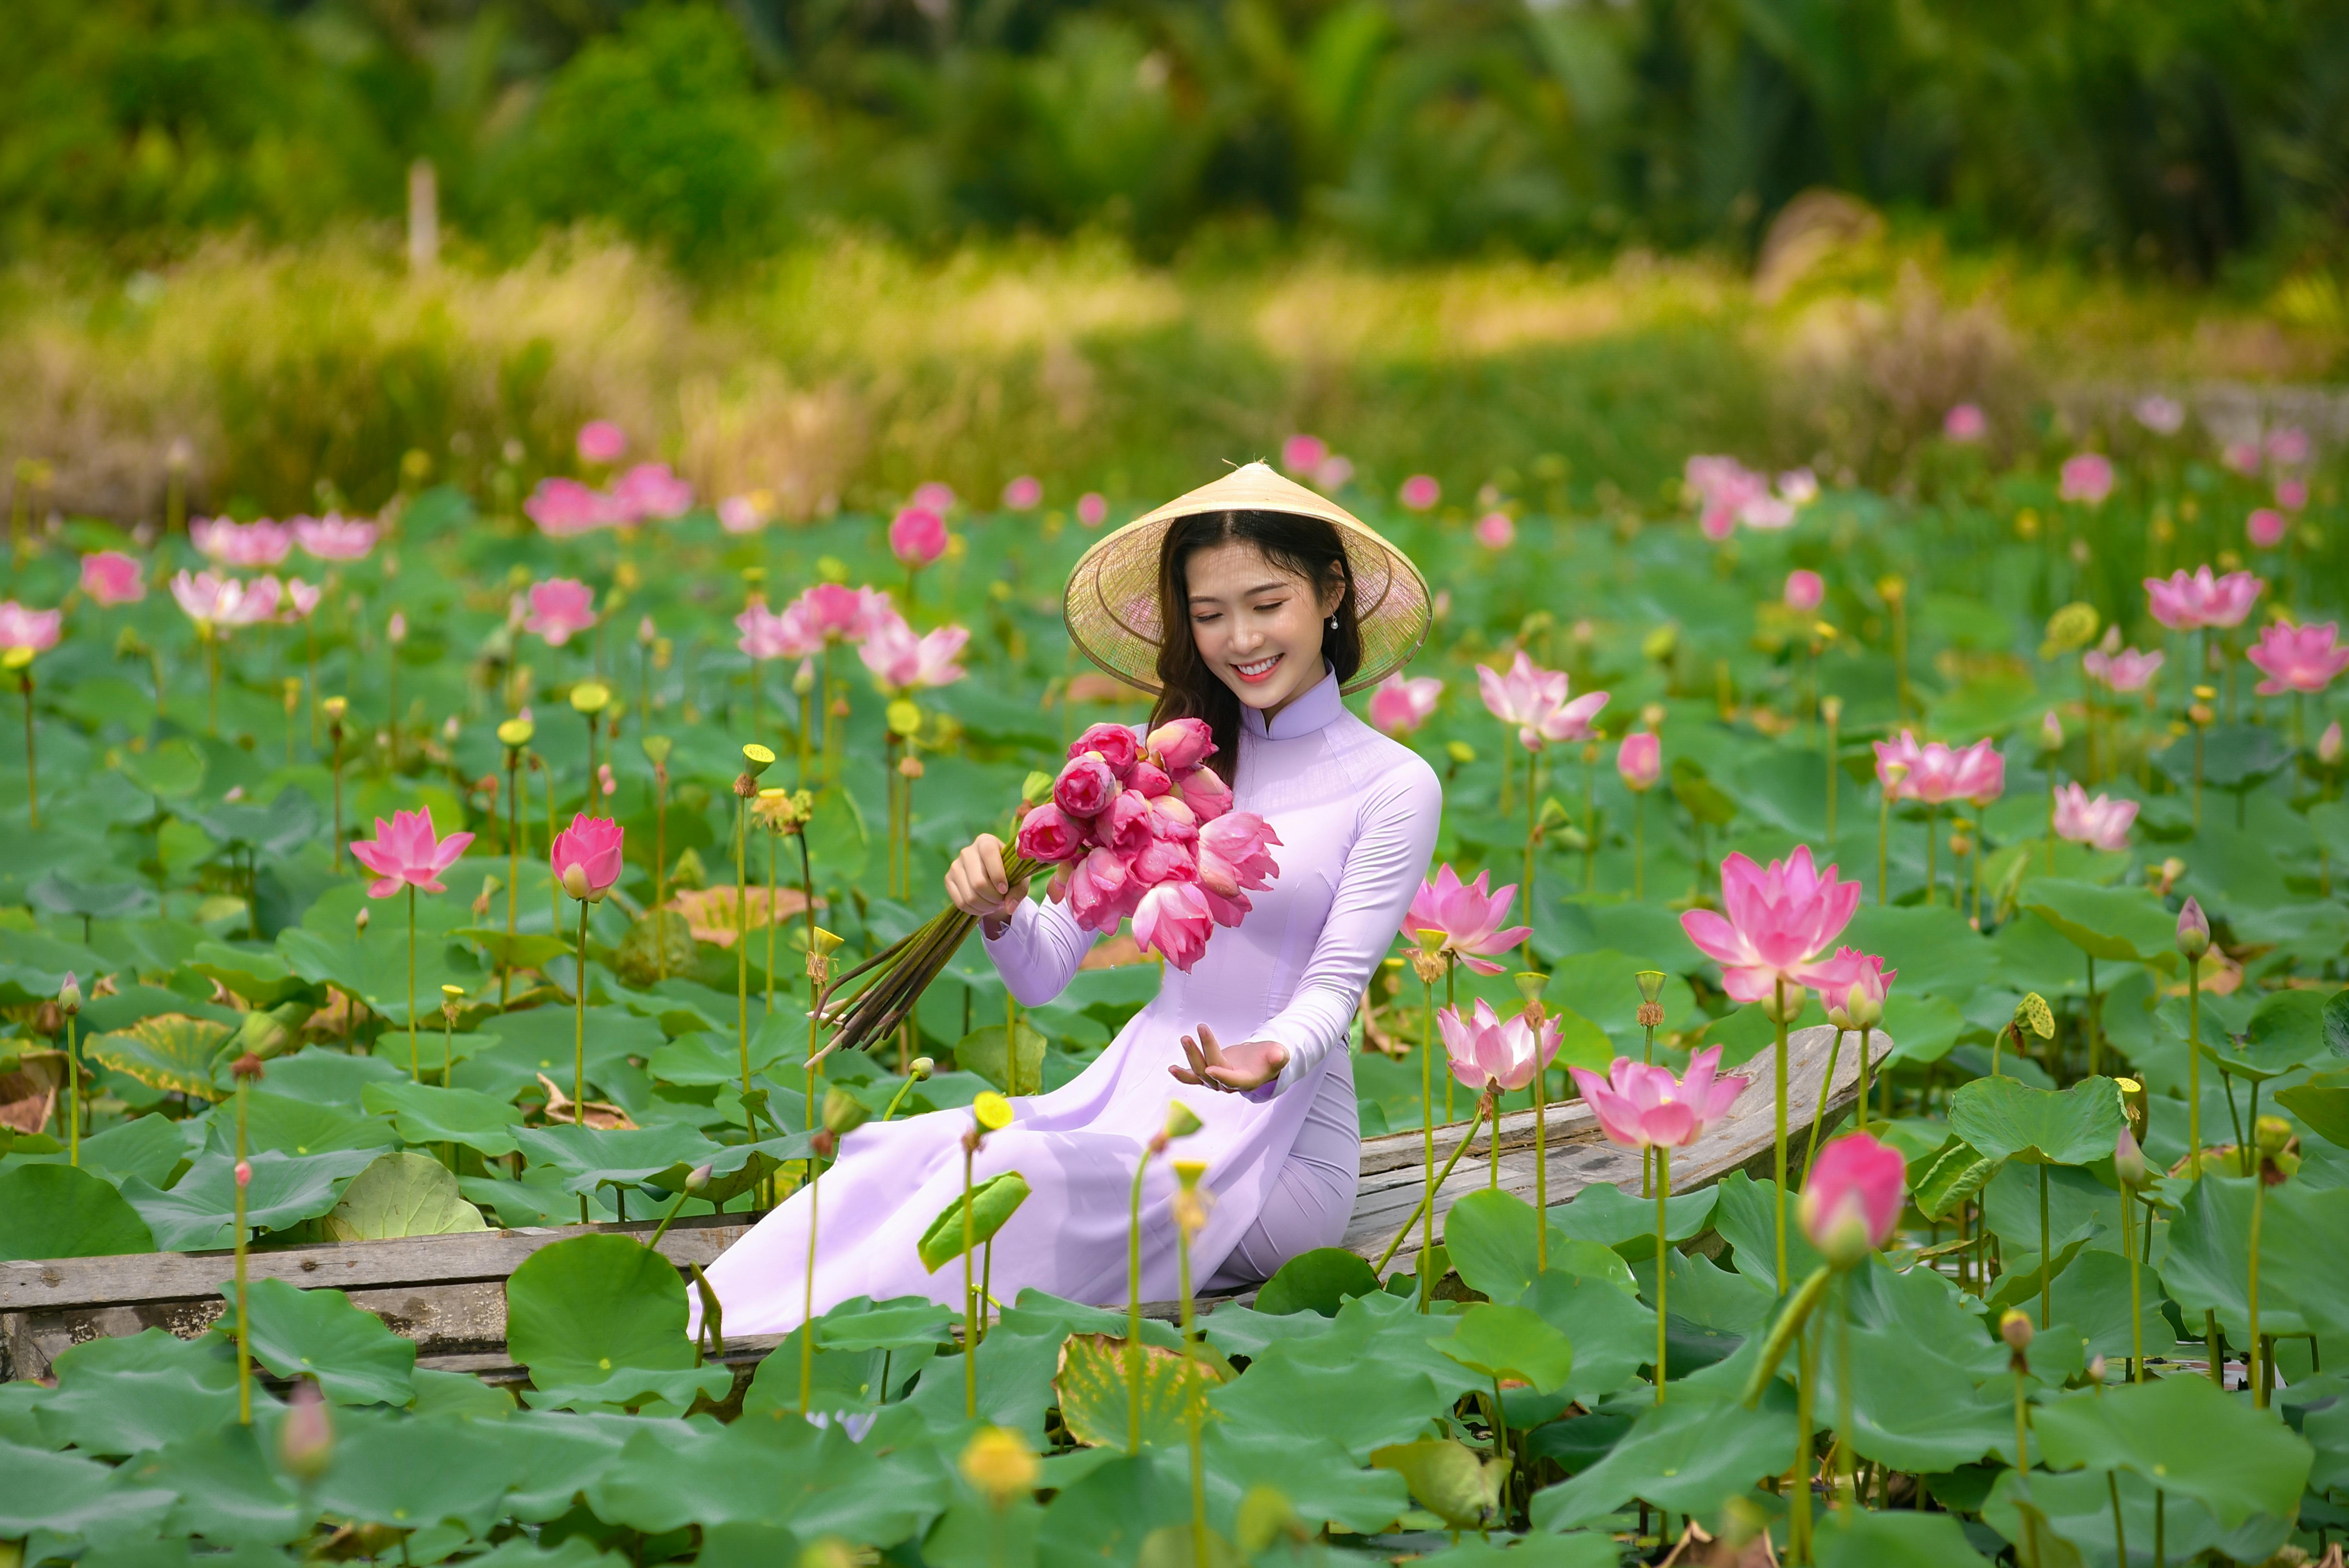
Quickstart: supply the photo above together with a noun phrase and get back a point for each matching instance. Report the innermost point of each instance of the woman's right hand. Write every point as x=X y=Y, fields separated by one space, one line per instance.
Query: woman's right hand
x=977 y=884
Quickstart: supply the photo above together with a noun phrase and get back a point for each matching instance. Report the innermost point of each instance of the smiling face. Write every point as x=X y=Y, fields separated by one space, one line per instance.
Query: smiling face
x=1257 y=625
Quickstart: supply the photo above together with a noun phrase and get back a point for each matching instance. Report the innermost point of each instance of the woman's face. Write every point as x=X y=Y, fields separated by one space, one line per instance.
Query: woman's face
x=1257 y=625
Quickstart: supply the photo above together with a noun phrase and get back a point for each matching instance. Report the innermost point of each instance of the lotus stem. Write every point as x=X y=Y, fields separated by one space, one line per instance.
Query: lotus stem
x=969 y=1290
x=2094 y=1057
x=1493 y=1180
x=1640 y=845
x=1933 y=832
x=2022 y=1456
x=1865 y=1031
x=1831 y=712
x=1191 y=1403
x=1541 y=1163
x=1426 y=1202
x=243 y=1313
x=1884 y=844
x=1663 y=1264
x=2256 y=1351
x=73 y=1089
x=772 y=849
x=660 y=870
x=2194 y=1064
x=513 y=867
x=743 y=956
x=1844 y=1426
x=1427 y=1135
x=2136 y=1298
x=1819 y=1111
x=2046 y=1264
x=807 y=1307
x=554 y=885
x=1798 y=1521
x=1779 y=1102
x=32 y=765
x=1532 y=826
x=415 y=1070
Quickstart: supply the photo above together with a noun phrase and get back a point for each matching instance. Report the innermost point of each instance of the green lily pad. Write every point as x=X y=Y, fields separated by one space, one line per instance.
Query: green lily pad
x=319 y=1334
x=1690 y=1454
x=1449 y=1478
x=1951 y=1175
x=2124 y=924
x=1509 y=1343
x=2185 y=1437
x=1095 y=1390
x=981 y=1052
x=602 y=1320
x=2321 y=1104
x=401 y=1194
x=199 y=1211
x=427 y=1113
x=169 y=1051
x=127 y=1395
x=1321 y=1280
x=59 y=1211
x=2006 y=1118
x=1490 y=1235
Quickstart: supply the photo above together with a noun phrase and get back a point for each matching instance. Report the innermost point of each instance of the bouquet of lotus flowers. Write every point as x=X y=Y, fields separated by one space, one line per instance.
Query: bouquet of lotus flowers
x=1139 y=829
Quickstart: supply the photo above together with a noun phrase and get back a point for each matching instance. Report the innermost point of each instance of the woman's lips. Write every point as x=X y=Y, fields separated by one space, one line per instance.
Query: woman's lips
x=1260 y=675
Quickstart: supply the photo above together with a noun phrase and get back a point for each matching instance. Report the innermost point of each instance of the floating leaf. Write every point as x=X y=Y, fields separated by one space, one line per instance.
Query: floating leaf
x=319 y=1334
x=2121 y=924
x=1953 y=1175
x=1096 y=1389
x=1490 y=1235
x=2185 y=1437
x=981 y=1052
x=427 y=1113
x=59 y=1211
x=1870 y=1538
x=990 y=1205
x=1321 y=1280
x=169 y=1051
x=404 y=1195
x=199 y=1211
x=602 y=1318
x=2323 y=1102
x=1510 y=1344
x=137 y=1392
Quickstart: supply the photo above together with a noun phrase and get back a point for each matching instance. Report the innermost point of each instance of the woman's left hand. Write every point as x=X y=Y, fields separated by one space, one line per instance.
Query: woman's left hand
x=1230 y=1068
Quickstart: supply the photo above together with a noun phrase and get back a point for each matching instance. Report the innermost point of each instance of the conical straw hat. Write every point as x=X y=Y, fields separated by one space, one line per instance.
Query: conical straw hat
x=1111 y=605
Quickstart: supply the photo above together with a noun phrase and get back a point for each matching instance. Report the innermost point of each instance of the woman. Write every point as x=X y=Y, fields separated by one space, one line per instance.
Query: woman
x=1250 y=603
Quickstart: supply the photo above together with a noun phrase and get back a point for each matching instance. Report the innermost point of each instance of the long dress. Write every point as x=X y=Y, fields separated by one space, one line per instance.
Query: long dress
x=1357 y=814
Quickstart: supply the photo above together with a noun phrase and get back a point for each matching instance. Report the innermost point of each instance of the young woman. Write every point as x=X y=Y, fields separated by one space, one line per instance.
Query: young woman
x=1251 y=603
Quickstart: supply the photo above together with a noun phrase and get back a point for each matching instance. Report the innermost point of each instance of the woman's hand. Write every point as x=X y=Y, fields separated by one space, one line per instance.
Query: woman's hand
x=1230 y=1068
x=977 y=885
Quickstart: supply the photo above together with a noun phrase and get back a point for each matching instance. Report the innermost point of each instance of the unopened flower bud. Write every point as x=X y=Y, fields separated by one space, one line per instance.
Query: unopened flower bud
x=2051 y=732
x=2015 y=1327
x=306 y=1437
x=247 y=1067
x=920 y=1067
x=2328 y=745
x=2273 y=1134
x=697 y=1179
x=69 y=995
x=360 y=919
x=244 y=1174
x=843 y=1111
x=2193 y=930
x=2128 y=1161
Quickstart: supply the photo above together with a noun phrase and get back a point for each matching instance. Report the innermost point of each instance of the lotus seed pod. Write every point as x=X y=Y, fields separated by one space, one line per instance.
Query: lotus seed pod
x=2193 y=930
x=590 y=697
x=1182 y=1120
x=920 y=1067
x=998 y=1464
x=516 y=733
x=2273 y=1135
x=757 y=758
x=991 y=1111
x=1650 y=983
x=843 y=1111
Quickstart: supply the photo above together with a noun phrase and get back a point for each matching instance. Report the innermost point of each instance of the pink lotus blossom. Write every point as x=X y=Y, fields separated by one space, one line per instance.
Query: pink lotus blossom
x=2297 y=658
x=211 y=599
x=1798 y=486
x=1643 y=1107
x=2086 y=477
x=1805 y=591
x=1085 y=787
x=1180 y=745
x=2103 y=822
x=558 y=608
x=605 y=784
x=2127 y=670
x=405 y=852
x=585 y=857
x=301 y=599
x=1204 y=791
x=1852 y=1198
x=767 y=635
x=1895 y=761
x=1936 y=773
x=1046 y=833
x=1965 y=422
x=1098 y=889
x=1467 y=918
x=396 y=629
x=651 y=491
x=1092 y=510
x=2243 y=456
x=335 y=537
x=562 y=508
x=830 y=612
x=1778 y=922
x=1496 y=530
x=1402 y=704
x=2289 y=446
x=1852 y=987
x=740 y=514
x=2292 y=493
x=1301 y=454
x=1501 y=1054
x=1640 y=760
x=2162 y=416
x=1729 y=493
x=917 y=536
x=1419 y=492
x=1023 y=493
x=906 y=662
x=35 y=630
x=2266 y=528
x=2185 y=603
x=110 y=577
x=602 y=442
x=932 y=495
x=1236 y=854
x=1172 y=919
x=1535 y=700
x=1114 y=744
x=1333 y=472
x=243 y=545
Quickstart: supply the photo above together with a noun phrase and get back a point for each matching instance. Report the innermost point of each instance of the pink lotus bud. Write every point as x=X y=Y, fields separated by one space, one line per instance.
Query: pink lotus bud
x=917 y=536
x=1093 y=509
x=1301 y=454
x=1172 y=919
x=2128 y=1161
x=244 y=1174
x=1965 y=422
x=1085 y=787
x=1098 y=889
x=1170 y=818
x=1125 y=826
x=1419 y=492
x=2193 y=930
x=1149 y=780
x=1204 y=791
x=602 y=442
x=306 y=1437
x=1804 y=590
x=1023 y=493
x=2292 y=494
x=1162 y=861
x=1851 y=1198
x=2328 y=745
x=1640 y=760
x=1243 y=842
x=585 y=857
x=932 y=495
x=1182 y=744
x=2266 y=528
x=1047 y=834
x=2050 y=731
x=1496 y=531
x=1113 y=744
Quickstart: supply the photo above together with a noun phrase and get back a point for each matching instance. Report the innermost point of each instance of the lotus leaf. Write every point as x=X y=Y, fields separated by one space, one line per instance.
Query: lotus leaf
x=405 y=1194
x=988 y=1206
x=1095 y=1390
x=1321 y=1280
x=2185 y=1437
x=1509 y=1343
x=169 y=1051
x=199 y=1209
x=602 y=1318
x=427 y=1113
x=59 y=1211
x=2008 y=1119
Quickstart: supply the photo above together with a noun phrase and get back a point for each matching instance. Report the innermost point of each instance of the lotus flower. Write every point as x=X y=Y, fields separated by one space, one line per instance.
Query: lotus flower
x=301 y=600
x=2243 y=456
x=1965 y=422
x=335 y=537
x=1301 y=455
x=1805 y=591
x=2103 y=822
x=1115 y=745
x=1092 y=510
x=2127 y=670
x=905 y=662
x=1099 y=890
x=2086 y=477
x=212 y=600
x=1023 y=493
x=1640 y=760
x=2162 y=416
x=932 y=495
x=1419 y=492
x=1779 y=922
x=1085 y=788
x=243 y=546
x=917 y=536
x=2328 y=745
x=2289 y=446
x=405 y=853
x=651 y=491
x=1851 y=1198
x=742 y=514
x=1234 y=854
x=1047 y=834
x=558 y=608
x=1204 y=791
x=1503 y=1054
x=34 y=631
x=1535 y=700
x=1333 y=473
x=1896 y=764
x=562 y=508
x=1729 y=493
x=2265 y=528
x=1402 y=704
x=602 y=442
x=585 y=857
x=1180 y=745
x=110 y=577
x=1496 y=530
x=829 y=612
x=1172 y=919
x=1641 y=1106
x=767 y=635
x=2185 y=603
x=2298 y=658
x=1938 y=773
x=1467 y=916
x=1852 y=987
x=2292 y=493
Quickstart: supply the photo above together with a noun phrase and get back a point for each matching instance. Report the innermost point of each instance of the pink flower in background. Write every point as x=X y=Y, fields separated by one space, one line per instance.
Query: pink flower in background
x=1402 y=704
x=1643 y=1107
x=1093 y=509
x=602 y=442
x=558 y=608
x=1496 y=531
x=651 y=491
x=2243 y=456
x=1805 y=591
x=585 y=857
x=2185 y=603
x=2265 y=528
x=1777 y=922
x=110 y=577
x=1982 y=773
x=1965 y=422
x=917 y=536
x=1490 y=1052
x=1852 y=1198
x=1467 y=916
x=2328 y=745
x=2127 y=670
x=37 y=630
x=2292 y=493
x=405 y=852
x=767 y=635
x=1852 y=987
x=244 y=545
x=832 y=612
x=2103 y=822
x=1023 y=493
x=206 y=597
x=932 y=495
x=335 y=537
x=1172 y=919
x=1301 y=454
x=562 y=508
x=301 y=599
x=1333 y=472
x=396 y=629
x=1897 y=762
x=2289 y=446
x=740 y=514
x=2162 y=416
x=2086 y=477
x=1936 y=773
x=2297 y=658
x=1419 y=492
x=905 y=662
x=1640 y=760
x=1535 y=700
x=1729 y=493
x=1798 y=486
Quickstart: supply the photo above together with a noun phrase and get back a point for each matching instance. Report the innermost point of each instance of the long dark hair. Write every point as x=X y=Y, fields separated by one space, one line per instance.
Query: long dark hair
x=1307 y=546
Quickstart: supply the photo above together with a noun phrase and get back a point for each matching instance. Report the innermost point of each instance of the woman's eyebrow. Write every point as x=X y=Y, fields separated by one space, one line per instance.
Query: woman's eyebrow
x=1244 y=592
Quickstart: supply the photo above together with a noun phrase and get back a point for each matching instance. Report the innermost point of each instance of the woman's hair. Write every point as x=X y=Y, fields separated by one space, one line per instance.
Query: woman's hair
x=1307 y=547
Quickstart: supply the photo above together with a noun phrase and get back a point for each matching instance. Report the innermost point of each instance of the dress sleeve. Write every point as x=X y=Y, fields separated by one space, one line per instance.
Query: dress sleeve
x=1038 y=952
x=1384 y=870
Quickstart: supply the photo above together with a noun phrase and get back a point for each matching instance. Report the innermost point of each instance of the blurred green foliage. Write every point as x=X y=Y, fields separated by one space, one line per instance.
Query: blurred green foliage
x=2167 y=136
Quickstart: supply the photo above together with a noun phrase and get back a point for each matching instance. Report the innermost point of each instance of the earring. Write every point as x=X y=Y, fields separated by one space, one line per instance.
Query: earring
x=1333 y=623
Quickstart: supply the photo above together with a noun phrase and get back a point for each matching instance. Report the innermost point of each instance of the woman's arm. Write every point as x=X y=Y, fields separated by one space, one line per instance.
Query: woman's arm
x=1037 y=949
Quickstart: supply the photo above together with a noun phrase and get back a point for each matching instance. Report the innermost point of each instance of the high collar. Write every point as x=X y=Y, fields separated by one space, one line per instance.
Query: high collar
x=1310 y=711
